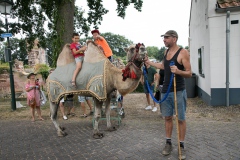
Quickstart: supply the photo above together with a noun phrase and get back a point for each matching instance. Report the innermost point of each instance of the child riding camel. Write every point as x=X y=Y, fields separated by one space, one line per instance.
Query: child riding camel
x=78 y=54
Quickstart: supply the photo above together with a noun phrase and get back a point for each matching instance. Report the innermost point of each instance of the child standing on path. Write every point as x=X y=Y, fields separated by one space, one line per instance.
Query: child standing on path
x=78 y=54
x=33 y=96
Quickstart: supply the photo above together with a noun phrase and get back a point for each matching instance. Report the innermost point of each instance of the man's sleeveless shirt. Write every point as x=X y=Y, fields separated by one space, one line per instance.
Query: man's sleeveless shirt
x=180 y=82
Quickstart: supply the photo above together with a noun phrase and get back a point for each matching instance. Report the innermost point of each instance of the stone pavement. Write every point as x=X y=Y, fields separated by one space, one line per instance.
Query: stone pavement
x=138 y=138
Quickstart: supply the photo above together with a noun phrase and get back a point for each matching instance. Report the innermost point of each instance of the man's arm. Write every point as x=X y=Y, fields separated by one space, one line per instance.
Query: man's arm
x=156 y=65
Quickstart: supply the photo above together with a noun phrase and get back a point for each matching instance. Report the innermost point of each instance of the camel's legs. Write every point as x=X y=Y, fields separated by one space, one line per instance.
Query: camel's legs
x=108 y=116
x=53 y=110
x=97 y=116
x=108 y=111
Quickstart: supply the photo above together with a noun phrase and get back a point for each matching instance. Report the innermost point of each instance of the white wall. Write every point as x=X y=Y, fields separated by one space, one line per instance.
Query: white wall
x=217 y=28
x=199 y=36
x=208 y=29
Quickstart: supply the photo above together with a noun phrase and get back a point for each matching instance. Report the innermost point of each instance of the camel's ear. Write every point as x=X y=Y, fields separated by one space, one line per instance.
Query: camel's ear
x=126 y=49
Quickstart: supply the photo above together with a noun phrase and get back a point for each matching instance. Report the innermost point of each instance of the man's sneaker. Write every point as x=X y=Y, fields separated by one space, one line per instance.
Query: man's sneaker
x=148 y=108
x=183 y=153
x=154 y=109
x=65 y=117
x=167 y=149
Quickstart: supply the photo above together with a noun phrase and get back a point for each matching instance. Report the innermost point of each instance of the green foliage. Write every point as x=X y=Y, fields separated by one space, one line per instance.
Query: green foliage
x=42 y=69
x=50 y=21
x=122 y=5
x=161 y=54
x=27 y=66
x=155 y=52
x=180 y=46
x=4 y=67
x=139 y=89
x=152 y=51
x=116 y=42
x=125 y=62
x=2 y=59
x=96 y=11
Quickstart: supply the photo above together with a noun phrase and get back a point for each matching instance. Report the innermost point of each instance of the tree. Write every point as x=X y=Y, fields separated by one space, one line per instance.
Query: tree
x=57 y=19
x=42 y=69
x=117 y=43
x=152 y=51
x=2 y=56
x=19 y=50
x=161 y=54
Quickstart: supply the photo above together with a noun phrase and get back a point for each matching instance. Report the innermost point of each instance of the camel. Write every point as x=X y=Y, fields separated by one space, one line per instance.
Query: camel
x=98 y=78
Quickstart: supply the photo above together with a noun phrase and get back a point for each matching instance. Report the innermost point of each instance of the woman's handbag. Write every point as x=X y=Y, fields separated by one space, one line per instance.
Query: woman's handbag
x=43 y=98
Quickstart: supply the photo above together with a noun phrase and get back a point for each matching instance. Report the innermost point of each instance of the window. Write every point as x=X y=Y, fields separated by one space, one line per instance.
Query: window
x=200 y=61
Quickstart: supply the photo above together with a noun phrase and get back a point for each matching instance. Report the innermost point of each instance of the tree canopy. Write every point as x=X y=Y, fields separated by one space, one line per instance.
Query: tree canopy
x=58 y=19
x=117 y=43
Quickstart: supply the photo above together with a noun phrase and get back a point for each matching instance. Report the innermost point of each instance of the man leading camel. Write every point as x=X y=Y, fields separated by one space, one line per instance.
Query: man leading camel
x=182 y=69
x=100 y=41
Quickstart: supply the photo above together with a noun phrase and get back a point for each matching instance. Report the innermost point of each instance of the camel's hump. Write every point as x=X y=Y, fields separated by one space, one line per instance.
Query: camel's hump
x=65 y=57
x=92 y=54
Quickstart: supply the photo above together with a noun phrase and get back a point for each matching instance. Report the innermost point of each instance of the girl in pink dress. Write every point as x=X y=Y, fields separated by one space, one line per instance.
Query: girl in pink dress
x=33 y=96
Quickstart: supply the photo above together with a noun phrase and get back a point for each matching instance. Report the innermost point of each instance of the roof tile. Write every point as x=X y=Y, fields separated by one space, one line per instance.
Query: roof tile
x=228 y=3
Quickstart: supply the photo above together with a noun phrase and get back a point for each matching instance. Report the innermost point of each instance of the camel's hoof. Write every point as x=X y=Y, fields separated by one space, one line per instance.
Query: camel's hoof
x=62 y=134
x=112 y=129
x=62 y=128
x=98 y=135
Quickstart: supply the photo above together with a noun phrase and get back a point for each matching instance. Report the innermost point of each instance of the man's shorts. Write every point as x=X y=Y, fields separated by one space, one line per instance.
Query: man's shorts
x=146 y=88
x=168 y=108
x=79 y=59
x=83 y=98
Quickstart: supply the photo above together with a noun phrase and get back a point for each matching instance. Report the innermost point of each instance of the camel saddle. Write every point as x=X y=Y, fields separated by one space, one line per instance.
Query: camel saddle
x=90 y=80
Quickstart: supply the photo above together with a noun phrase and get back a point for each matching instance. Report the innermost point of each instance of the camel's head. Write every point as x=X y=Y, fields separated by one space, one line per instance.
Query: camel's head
x=136 y=53
x=135 y=57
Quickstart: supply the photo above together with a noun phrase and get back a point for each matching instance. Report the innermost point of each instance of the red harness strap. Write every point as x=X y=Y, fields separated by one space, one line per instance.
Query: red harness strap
x=127 y=73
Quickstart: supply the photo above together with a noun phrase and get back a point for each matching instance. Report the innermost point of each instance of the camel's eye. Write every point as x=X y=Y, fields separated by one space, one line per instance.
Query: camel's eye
x=132 y=50
x=142 y=49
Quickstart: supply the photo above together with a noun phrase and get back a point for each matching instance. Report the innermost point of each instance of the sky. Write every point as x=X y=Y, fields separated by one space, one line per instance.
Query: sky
x=147 y=26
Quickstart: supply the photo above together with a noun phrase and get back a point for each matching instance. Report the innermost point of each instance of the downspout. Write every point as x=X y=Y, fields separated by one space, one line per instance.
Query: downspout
x=227 y=56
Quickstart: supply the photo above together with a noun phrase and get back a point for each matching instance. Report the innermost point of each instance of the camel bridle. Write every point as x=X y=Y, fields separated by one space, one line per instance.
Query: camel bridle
x=134 y=61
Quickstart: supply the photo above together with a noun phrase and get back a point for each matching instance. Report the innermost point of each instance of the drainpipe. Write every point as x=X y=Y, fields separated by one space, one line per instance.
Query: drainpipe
x=227 y=56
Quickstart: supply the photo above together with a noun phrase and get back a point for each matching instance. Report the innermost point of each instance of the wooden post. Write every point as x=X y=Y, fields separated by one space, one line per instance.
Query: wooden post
x=176 y=111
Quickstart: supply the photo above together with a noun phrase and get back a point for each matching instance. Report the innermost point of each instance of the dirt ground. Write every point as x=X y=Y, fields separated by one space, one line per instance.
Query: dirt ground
x=134 y=105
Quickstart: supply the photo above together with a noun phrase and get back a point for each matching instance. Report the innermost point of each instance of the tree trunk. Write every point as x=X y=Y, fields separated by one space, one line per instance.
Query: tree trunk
x=65 y=26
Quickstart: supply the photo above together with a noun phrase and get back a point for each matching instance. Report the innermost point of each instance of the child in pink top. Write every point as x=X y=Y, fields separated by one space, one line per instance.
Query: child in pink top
x=33 y=96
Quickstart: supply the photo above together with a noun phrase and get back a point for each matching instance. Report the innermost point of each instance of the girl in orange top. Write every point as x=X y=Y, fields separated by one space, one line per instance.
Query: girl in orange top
x=99 y=40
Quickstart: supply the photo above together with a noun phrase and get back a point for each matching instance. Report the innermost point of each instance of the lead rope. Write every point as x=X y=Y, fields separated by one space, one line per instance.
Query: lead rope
x=169 y=87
